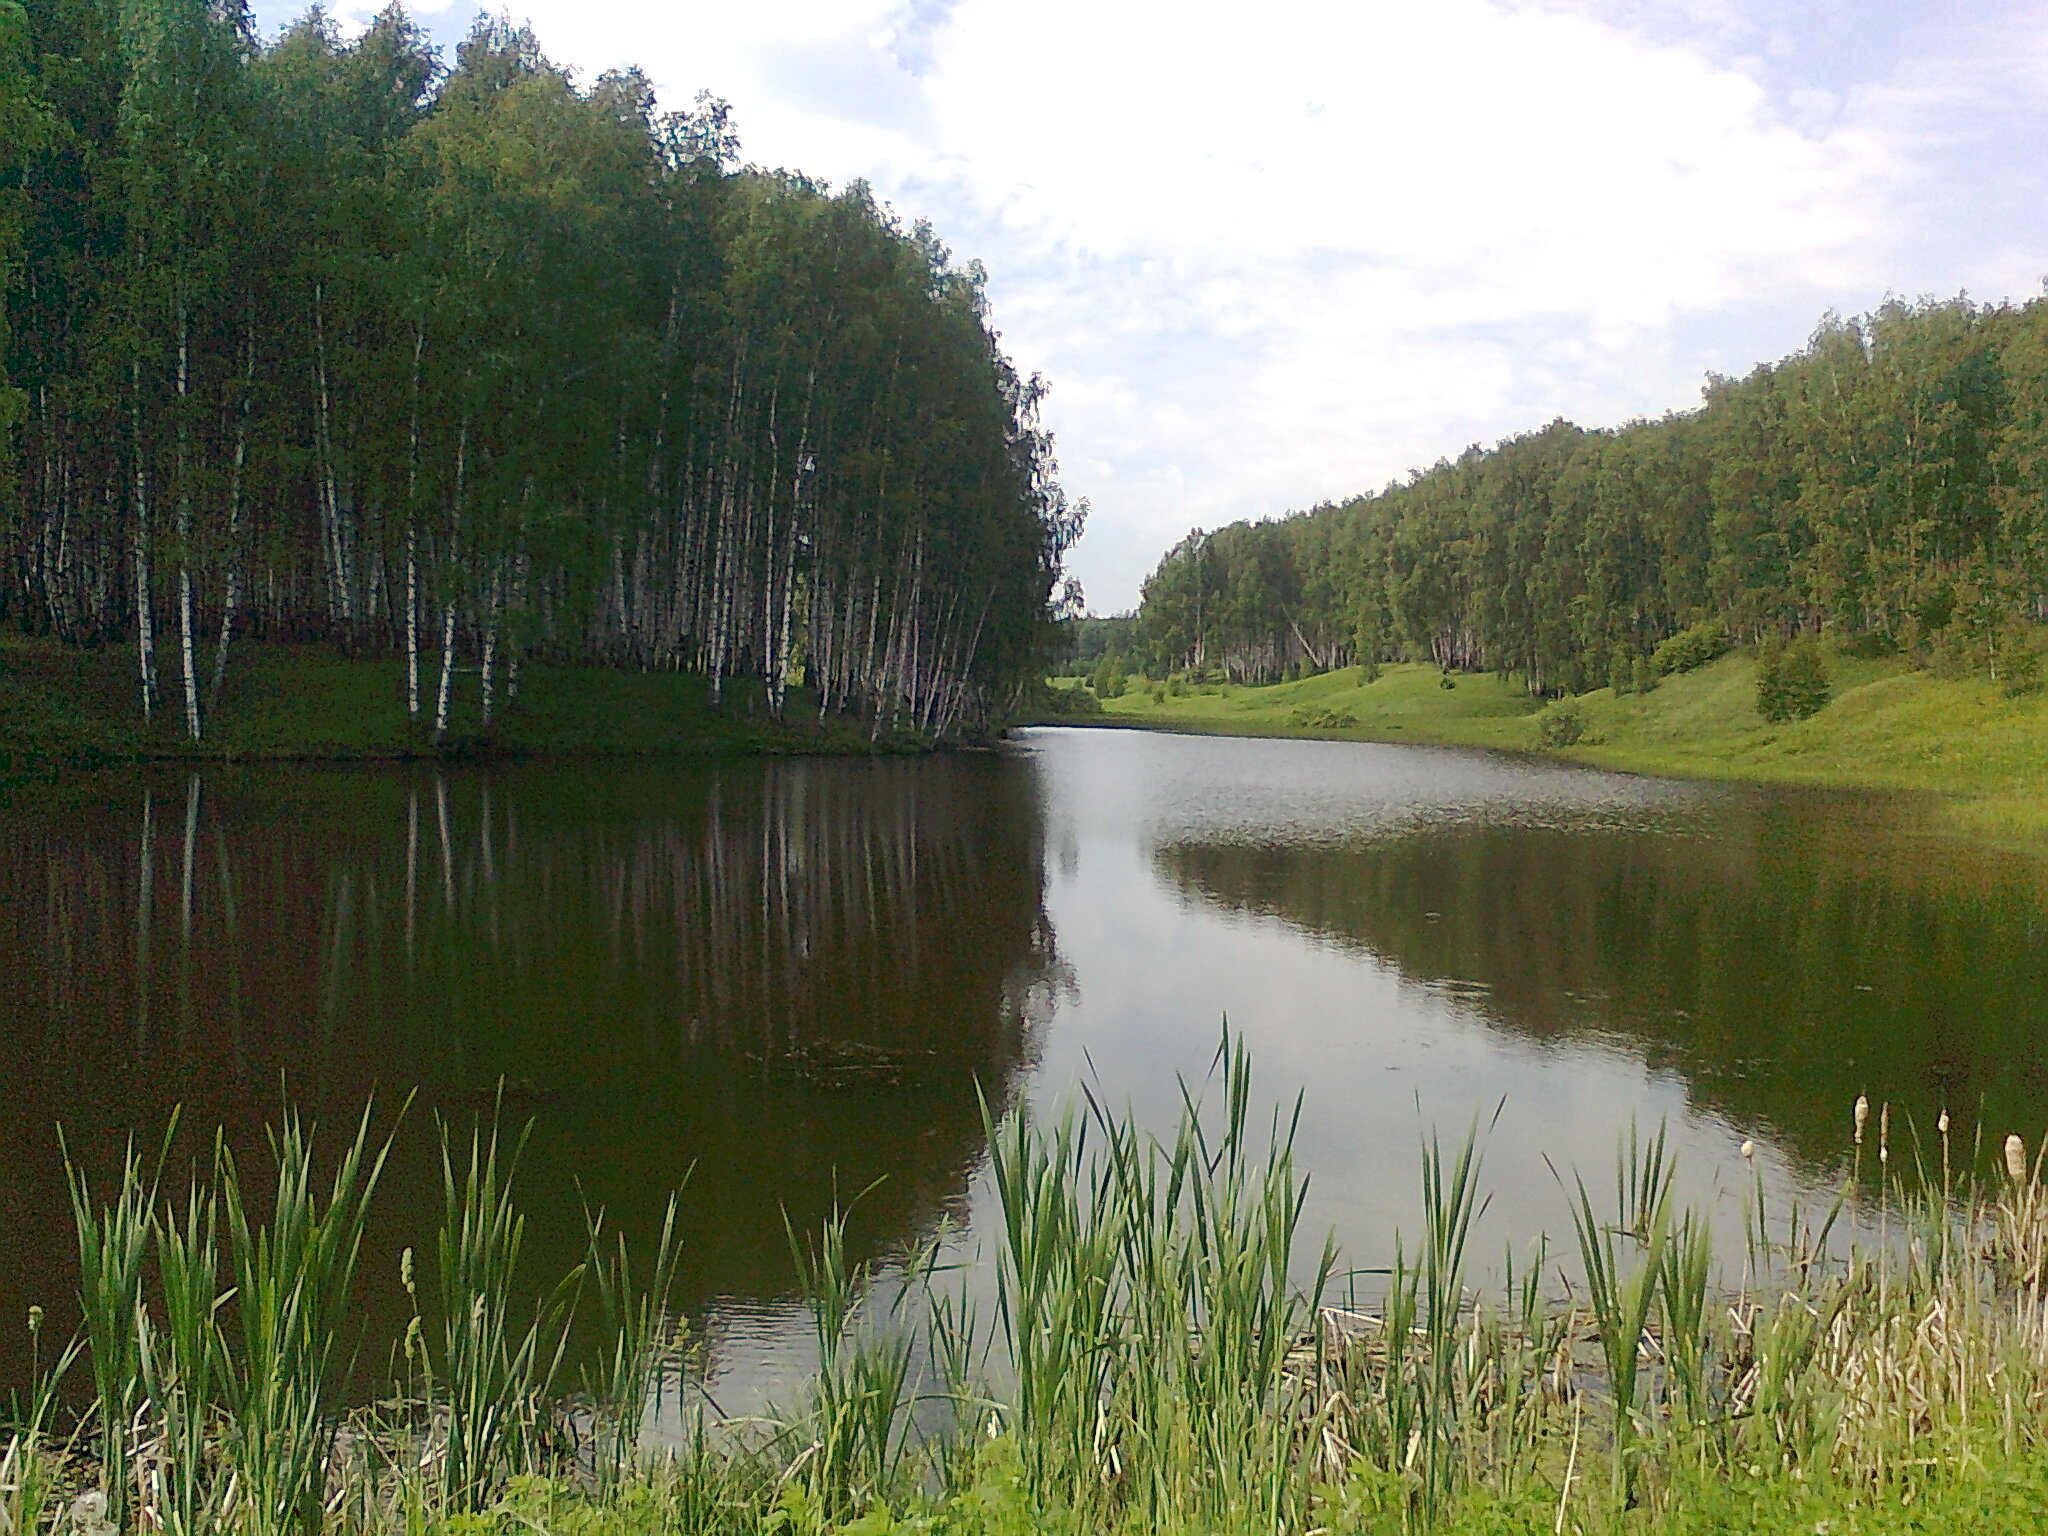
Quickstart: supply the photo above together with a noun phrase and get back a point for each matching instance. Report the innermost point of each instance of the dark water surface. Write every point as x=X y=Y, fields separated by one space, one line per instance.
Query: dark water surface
x=791 y=981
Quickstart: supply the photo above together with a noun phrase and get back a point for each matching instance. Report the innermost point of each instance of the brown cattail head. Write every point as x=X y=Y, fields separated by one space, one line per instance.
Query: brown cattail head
x=1862 y=1114
x=2016 y=1158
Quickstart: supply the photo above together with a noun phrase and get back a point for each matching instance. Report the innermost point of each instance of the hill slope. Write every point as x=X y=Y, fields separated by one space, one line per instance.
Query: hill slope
x=1888 y=727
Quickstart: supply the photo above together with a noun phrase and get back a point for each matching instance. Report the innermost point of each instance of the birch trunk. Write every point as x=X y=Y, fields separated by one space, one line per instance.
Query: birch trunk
x=412 y=625
x=447 y=671
x=231 y=598
x=145 y=613
x=185 y=646
x=412 y=564
x=490 y=652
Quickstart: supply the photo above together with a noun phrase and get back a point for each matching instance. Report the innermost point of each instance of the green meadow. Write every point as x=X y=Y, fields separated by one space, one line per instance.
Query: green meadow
x=1888 y=726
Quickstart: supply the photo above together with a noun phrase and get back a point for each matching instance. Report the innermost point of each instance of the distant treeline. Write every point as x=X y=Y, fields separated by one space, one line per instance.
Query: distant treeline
x=317 y=339
x=1886 y=484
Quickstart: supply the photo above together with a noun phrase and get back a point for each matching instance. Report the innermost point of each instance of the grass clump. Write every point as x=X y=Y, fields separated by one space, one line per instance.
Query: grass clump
x=1164 y=1354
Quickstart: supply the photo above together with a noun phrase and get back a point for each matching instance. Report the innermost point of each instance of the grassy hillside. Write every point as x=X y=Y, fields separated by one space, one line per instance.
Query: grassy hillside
x=1888 y=727
x=67 y=706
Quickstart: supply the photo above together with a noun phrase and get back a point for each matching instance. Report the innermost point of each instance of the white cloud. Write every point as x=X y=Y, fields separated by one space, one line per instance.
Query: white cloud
x=1268 y=255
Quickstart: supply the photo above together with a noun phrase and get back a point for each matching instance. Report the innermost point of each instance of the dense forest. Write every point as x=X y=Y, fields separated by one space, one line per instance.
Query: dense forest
x=1887 y=484
x=316 y=339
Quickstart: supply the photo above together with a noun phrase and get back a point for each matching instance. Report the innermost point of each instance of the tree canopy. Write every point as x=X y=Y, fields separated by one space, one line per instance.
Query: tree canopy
x=1886 y=483
x=321 y=339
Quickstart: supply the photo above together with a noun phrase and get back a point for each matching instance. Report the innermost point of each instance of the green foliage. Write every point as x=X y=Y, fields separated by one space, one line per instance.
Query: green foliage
x=1643 y=675
x=1563 y=724
x=496 y=364
x=1791 y=680
x=2021 y=671
x=1164 y=1356
x=1621 y=672
x=1690 y=648
x=1108 y=679
x=1890 y=478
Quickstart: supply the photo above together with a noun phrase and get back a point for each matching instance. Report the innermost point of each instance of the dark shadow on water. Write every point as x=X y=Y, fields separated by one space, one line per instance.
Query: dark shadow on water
x=786 y=983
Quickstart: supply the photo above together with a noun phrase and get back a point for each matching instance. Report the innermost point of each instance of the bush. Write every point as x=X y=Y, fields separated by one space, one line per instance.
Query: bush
x=1335 y=718
x=2021 y=672
x=1871 y=645
x=1691 y=648
x=1108 y=681
x=1621 y=676
x=1561 y=725
x=1645 y=677
x=1791 y=680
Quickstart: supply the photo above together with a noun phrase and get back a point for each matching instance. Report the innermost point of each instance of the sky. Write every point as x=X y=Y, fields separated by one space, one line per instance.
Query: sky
x=1274 y=254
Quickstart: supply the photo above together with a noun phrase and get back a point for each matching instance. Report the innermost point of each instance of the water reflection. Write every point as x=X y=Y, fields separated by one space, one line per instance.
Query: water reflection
x=793 y=981
x=788 y=983
x=1778 y=953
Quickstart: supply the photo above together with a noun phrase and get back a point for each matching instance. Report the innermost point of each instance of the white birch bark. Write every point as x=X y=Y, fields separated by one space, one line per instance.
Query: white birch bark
x=145 y=612
x=447 y=671
x=412 y=624
x=185 y=646
x=490 y=653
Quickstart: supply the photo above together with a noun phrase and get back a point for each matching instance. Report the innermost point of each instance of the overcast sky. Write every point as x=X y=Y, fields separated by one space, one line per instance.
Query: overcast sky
x=1278 y=253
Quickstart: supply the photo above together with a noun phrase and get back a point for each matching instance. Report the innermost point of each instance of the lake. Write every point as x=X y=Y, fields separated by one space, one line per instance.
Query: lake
x=786 y=984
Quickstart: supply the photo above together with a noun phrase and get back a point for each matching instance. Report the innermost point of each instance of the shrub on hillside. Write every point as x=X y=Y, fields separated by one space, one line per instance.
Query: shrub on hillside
x=1621 y=672
x=1312 y=718
x=1645 y=675
x=1690 y=648
x=1561 y=725
x=1791 y=680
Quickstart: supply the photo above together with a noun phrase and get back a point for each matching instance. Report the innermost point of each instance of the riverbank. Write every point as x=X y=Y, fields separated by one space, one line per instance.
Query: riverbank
x=1168 y=1358
x=1888 y=727
x=75 y=707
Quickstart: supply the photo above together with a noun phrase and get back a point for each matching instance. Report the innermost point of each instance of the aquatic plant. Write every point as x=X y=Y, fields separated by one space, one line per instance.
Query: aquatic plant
x=1163 y=1353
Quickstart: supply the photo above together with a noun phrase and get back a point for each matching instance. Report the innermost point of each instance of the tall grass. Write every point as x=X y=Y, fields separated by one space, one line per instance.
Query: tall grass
x=495 y=1376
x=1163 y=1353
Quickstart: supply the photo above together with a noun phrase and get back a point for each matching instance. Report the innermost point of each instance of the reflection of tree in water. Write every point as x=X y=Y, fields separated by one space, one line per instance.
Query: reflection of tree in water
x=1782 y=956
x=790 y=981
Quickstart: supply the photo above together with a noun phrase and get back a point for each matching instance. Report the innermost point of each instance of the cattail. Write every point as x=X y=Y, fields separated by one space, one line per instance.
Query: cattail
x=1862 y=1114
x=1941 y=1125
x=1749 y=1151
x=1884 y=1133
x=2016 y=1158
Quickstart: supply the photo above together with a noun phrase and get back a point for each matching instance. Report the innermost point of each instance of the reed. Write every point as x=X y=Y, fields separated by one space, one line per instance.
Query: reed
x=644 y=1342
x=492 y=1385
x=293 y=1278
x=1163 y=1354
x=113 y=1250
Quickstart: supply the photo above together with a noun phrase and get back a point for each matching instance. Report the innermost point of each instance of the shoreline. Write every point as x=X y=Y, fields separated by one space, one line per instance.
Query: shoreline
x=1980 y=755
x=69 y=710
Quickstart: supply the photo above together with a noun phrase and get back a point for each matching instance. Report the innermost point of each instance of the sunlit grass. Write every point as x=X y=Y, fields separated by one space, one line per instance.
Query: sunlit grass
x=1888 y=727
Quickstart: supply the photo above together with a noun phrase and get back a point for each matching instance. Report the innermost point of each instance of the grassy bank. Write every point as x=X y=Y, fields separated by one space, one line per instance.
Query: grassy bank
x=1164 y=1355
x=67 y=706
x=1888 y=727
